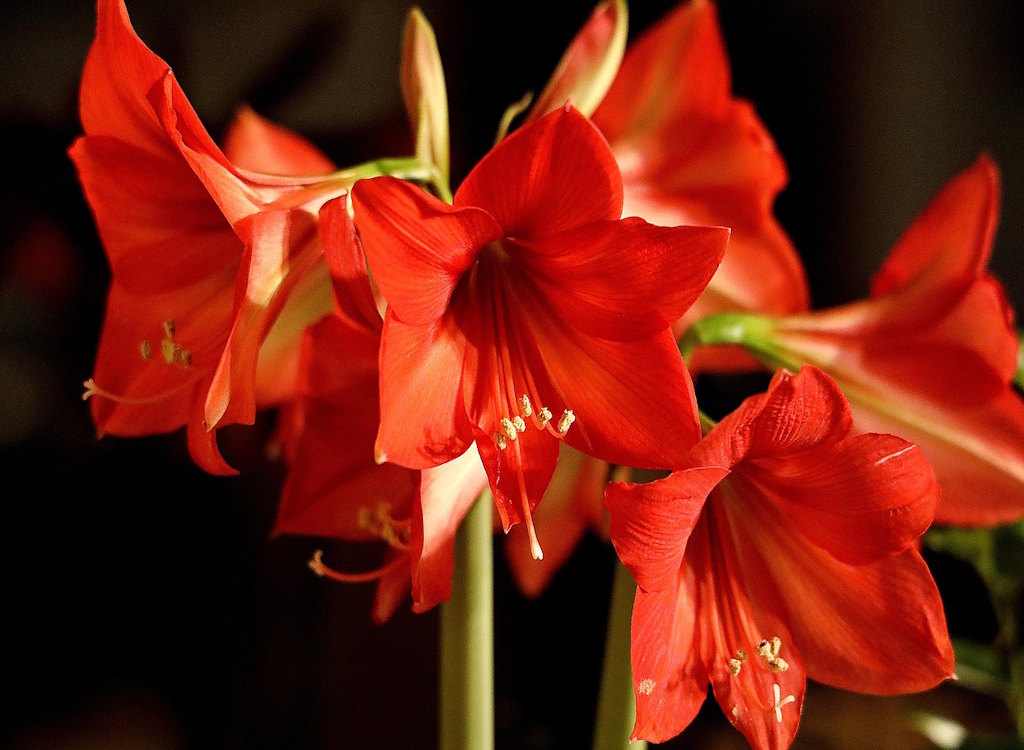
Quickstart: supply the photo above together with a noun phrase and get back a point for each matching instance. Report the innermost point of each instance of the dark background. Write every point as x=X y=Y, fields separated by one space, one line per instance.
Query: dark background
x=145 y=605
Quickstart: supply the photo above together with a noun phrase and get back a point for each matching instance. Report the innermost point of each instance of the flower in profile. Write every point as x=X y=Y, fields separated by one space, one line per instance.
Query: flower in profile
x=931 y=355
x=528 y=312
x=782 y=548
x=334 y=487
x=205 y=252
x=689 y=152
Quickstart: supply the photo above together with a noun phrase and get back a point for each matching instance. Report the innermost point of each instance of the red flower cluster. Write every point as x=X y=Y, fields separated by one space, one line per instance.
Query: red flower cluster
x=522 y=333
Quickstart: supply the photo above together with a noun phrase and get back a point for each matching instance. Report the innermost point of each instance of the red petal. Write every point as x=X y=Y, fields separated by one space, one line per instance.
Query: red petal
x=553 y=174
x=797 y=413
x=118 y=74
x=202 y=445
x=332 y=481
x=446 y=494
x=669 y=676
x=951 y=240
x=423 y=419
x=344 y=253
x=285 y=247
x=651 y=523
x=159 y=226
x=417 y=246
x=677 y=68
x=255 y=143
x=876 y=628
x=862 y=499
x=739 y=607
x=622 y=279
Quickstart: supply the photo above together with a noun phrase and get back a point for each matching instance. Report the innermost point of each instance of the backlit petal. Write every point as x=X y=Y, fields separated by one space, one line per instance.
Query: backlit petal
x=255 y=143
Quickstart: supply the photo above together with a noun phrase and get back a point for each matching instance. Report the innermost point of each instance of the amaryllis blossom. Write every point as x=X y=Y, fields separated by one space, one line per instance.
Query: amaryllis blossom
x=527 y=313
x=932 y=354
x=335 y=488
x=204 y=251
x=782 y=548
x=689 y=152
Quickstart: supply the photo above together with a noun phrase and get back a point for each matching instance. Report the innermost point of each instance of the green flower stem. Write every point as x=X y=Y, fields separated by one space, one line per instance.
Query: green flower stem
x=751 y=331
x=616 y=708
x=467 y=638
x=1018 y=378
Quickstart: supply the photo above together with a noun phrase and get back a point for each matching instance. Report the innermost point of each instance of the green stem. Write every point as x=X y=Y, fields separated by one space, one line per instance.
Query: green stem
x=467 y=638
x=616 y=708
x=1018 y=378
x=751 y=331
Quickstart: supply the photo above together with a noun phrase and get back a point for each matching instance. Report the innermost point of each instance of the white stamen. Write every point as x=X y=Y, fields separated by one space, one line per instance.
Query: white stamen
x=780 y=701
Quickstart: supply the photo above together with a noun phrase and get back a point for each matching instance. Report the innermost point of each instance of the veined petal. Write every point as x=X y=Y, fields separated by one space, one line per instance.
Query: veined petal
x=554 y=174
x=669 y=675
x=446 y=494
x=418 y=247
x=797 y=413
x=423 y=419
x=257 y=144
x=877 y=628
x=862 y=499
x=589 y=65
x=651 y=523
x=623 y=279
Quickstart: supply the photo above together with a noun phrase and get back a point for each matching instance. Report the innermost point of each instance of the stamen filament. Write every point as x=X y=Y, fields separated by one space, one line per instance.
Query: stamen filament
x=317 y=565
x=92 y=389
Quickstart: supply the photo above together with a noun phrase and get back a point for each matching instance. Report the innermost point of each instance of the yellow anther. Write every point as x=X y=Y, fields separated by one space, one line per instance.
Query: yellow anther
x=565 y=421
x=508 y=428
x=778 y=664
x=776 y=645
x=168 y=348
x=764 y=649
x=525 y=407
x=543 y=417
x=741 y=655
x=146 y=350
x=519 y=423
x=734 y=666
x=169 y=329
x=501 y=441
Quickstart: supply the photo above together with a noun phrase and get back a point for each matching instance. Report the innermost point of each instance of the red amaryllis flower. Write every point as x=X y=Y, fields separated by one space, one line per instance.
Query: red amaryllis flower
x=781 y=549
x=204 y=252
x=530 y=301
x=690 y=153
x=932 y=354
x=334 y=487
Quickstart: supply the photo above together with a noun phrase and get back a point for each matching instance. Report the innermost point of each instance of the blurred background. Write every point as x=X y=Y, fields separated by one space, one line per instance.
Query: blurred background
x=147 y=606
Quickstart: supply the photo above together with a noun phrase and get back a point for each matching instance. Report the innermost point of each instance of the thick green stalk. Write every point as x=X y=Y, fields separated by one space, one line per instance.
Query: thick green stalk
x=467 y=638
x=616 y=707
